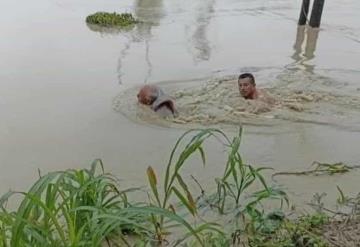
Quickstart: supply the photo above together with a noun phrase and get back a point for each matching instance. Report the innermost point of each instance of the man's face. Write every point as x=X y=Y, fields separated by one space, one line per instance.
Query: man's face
x=246 y=88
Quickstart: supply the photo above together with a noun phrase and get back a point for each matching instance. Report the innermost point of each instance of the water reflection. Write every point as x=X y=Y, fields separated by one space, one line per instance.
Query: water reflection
x=311 y=41
x=109 y=31
x=300 y=36
x=114 y=31
x=201 y=49
x=149 y=13
x=304 y=49
x=300 y=72
x=122 y=56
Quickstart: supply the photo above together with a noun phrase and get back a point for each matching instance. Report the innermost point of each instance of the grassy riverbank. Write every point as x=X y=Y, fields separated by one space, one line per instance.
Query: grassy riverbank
x=89 y=207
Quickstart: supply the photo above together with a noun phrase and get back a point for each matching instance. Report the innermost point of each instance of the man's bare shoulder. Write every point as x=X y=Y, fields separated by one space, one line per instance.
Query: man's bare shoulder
x=266 y=97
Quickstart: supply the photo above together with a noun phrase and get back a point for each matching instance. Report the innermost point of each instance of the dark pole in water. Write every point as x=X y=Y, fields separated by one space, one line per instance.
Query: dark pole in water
x=304 y=12
x=316 y=13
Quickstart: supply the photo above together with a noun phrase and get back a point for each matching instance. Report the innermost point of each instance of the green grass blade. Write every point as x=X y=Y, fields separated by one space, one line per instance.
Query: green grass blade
x=188 y=203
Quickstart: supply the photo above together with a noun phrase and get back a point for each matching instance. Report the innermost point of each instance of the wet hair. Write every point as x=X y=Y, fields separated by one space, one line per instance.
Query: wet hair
x=151 y=92
x=248 y=75
x=154 y=94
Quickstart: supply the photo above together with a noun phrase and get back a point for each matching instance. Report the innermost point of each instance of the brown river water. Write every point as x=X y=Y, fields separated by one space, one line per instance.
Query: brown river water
x=68 y=90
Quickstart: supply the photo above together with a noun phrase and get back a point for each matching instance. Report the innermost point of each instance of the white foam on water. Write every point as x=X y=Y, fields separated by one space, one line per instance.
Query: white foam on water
x=218 y=102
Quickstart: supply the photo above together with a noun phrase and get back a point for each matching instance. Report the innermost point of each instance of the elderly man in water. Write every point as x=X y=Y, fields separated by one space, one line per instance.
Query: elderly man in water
x=155 y=97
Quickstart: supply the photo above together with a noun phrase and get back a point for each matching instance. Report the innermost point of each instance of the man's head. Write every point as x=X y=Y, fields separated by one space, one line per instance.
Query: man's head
x=148 y=94
x=154 y=96
x=247 y=86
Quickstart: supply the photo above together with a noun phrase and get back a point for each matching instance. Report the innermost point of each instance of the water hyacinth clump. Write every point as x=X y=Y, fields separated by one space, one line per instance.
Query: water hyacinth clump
x=111 y=19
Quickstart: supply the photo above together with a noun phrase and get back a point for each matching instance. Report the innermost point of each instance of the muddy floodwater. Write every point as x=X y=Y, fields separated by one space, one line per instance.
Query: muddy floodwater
x=68 y=89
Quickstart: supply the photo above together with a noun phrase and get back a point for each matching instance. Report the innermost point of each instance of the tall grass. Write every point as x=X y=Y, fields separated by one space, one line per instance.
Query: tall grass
x=237 y=183
x=87 y=207
x=240 y=180
x=47 y=214
x=174 y=184
x=81 y=208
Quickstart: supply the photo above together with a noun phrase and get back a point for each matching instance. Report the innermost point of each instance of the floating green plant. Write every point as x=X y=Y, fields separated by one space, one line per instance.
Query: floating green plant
x=322 y=169
x=106 y=19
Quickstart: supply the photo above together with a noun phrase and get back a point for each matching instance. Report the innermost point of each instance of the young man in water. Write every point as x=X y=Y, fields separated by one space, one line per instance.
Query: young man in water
x=247 y=86
x=248 y=90
x=155 y=97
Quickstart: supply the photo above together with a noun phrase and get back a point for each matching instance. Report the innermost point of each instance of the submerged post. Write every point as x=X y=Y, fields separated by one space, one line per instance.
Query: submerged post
x=316 y=13
x=304 y=12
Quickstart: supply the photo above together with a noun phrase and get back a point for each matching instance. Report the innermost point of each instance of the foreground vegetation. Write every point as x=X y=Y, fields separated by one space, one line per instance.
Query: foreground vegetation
x=89 y=207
